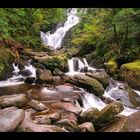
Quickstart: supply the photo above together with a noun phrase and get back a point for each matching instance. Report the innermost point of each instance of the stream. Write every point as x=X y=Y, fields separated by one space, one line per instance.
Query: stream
x=51 y=95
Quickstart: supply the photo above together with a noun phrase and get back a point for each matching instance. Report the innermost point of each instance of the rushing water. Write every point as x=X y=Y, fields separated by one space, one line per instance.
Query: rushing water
x=76 y=65
x=17 y=78
x=54 y=40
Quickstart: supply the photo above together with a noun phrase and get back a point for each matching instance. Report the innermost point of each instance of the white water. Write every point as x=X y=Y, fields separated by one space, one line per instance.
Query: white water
x=18 y=79
x=113 y=87
x=90 y=100
x=54 y=40
x=81 y=65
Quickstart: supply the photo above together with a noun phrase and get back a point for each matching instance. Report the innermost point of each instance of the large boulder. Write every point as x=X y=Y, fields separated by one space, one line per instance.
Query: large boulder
x=90 y=84
x=28 y=125
x=102 y=77
x=58 y=61
x=30 y=80
x=134 y=122
x=120 y=125
x=44 y=76
x=88 y=115
x=131 y=73
x=107 y=115
x=10 y=118
x=18 y=100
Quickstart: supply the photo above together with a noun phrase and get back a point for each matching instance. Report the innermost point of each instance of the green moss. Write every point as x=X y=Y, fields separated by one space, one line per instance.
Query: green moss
x=112 y=66
x=135 y=65
x=5 y=60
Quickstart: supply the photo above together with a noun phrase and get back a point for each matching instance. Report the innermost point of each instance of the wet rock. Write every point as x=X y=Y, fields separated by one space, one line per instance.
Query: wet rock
x=42 y=119
x=58 y=72
x=67 y=106
x=10 y=118
x=57 y=80
x=37 y=105
x=133 y=122
x=69 y=116
x=84 y=69
x=86 y=127
x=107 y=115
x=38 y=65
x=127 y=96
x=88 y=115
x=131 y=73
x=25 y=72
x=47 y=119
x=58 y=61
x=120 y=125
x=67 y=124
x=21 y=66
x=18 y=100
x=44 y=76
x=28 y=125
x=29 y=80
x=88 y=83
x=102 y=77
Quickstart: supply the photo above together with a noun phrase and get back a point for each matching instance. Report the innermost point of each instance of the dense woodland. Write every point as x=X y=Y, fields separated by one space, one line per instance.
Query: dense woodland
x=109 y=39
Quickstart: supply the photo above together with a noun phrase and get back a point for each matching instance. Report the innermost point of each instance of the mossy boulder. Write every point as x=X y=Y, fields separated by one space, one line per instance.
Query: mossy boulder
x=101 y=77
x=111 y=66
x=107 y=115
x=88 y=115
x=58 y=61
x=6 y=59
x=131 y=73
x=90 y=84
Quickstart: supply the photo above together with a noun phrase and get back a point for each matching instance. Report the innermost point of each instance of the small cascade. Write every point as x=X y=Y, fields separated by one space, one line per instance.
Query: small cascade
x=76 y=66
x=54 y=40
x=115 y=86
x=17 y=78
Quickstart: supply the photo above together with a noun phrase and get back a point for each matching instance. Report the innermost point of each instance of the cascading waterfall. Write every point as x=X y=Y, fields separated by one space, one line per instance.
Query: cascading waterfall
x=17 y=78
x=80 y=65
x=54 y=40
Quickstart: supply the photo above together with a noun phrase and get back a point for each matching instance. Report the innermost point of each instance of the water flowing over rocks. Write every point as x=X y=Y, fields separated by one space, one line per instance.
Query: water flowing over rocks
x=107 y=115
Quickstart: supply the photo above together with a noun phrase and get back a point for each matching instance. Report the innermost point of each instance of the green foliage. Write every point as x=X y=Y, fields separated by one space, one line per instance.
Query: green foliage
x=24 y=24
x=112 y=31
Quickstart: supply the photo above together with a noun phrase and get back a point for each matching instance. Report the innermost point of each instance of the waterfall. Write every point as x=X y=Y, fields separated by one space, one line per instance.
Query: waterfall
x=17 y=78
x=54 y=40
x=76 y=65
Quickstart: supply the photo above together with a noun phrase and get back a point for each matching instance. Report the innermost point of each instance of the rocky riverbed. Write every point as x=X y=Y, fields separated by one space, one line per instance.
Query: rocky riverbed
x=44 y=100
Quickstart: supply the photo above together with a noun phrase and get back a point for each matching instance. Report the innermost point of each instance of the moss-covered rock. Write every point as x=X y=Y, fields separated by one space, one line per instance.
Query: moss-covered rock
x=111 y=66
x=107 y=115
x=90 y=84
x=58 y=61
x=6 y=59
x=131 y=73
x=101 y=77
